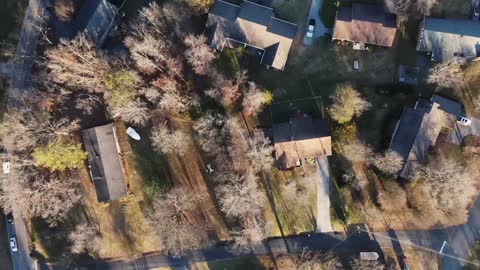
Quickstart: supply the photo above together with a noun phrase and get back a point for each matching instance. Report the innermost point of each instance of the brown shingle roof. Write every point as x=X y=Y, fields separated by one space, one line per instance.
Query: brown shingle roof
x=300 y=138
x=366 y=24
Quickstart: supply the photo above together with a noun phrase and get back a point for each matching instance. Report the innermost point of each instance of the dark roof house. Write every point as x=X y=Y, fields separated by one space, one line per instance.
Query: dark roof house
x=448 y=38
x=418 y=130
x=252 y=26
x=97 y=18
x=105 y=166
x=365 y=23
x=300 y=138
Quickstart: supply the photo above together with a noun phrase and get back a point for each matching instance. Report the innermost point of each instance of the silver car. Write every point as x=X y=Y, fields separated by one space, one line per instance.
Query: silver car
x=13 y=244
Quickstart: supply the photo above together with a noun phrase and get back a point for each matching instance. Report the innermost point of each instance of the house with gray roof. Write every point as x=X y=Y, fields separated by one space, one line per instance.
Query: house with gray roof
x=445 y=39
x=104 y=163
x=418 y=130
x=252 y=26
x=97 y=18
x=300 y=138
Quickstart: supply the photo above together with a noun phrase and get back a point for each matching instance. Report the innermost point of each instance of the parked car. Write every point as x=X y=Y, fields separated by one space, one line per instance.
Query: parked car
x=464 y=121
x=311 y=27
x=476 y=11
x=13 y=244
x=10 y=218
x=356 y=65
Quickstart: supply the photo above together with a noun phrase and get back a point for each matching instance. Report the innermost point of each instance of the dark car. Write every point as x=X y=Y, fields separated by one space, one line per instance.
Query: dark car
x=10 y=218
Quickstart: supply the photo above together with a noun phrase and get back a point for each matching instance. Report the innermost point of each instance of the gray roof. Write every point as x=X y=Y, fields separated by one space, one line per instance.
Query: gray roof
x=104 y=161
x=418 y=129
x=447 y=38
x=97 y=18
x=252 y=24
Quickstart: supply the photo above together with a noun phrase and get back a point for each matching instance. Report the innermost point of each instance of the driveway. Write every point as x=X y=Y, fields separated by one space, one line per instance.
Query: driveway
x=323 y=196
x=320 y=29
x=461 y=131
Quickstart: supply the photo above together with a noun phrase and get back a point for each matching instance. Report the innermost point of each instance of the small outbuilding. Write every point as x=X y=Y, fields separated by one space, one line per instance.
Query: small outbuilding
x=104 y=162
x=300 y=139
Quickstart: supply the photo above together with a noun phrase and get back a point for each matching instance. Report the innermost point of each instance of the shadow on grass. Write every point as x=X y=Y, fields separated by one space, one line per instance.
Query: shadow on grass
x=52 y=239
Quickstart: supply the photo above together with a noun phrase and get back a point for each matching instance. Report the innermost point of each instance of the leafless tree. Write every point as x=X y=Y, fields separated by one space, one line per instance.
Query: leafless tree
x=450 y=74
x=88 y=103
x=240 y=198
x=148 y=53
x=358 y=264
x=450 y=185
x=84 y=239
x=64 y=9
x=151 y=94
x=356 y=151
x=174 y=102
x=390 y=162
x=237 y=145
x=425 y=6
x=393 y=197
x=77 y=64
x=252 y=234
x=310 y=260
x=173 y=219
x=198 y=54
x=260 y=153
x=210 y=132
x=347 y=102
x=134 y=112
x=254 y=99
x=402 y=9
x=171 y=142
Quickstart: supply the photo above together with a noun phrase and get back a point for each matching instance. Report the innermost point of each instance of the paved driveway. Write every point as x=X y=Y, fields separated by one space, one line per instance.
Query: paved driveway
x=461 y=131
x=320 y=29
x=323 y=196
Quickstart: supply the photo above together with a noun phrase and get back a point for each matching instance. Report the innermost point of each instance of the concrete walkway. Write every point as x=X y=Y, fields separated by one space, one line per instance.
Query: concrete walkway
x=320 y=28
x=323 y=196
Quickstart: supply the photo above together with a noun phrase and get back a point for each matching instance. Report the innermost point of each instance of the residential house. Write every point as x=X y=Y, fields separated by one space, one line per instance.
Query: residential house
x=418 y=130
x=253 y=27
x=449 y=38
x=105 y=164
x=365 y=24
x=97 y=19
x=301 y=138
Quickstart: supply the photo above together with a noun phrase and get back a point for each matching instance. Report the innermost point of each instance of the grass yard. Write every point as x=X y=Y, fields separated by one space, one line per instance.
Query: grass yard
x=296 y=214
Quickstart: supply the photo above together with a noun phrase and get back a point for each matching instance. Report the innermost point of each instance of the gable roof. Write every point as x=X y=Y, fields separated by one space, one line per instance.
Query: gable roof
x=366 y=24
x=96 y=18
x=105 y=165
x=418 y=130
x=251 y=24
x=447 y=38
x=300 y=138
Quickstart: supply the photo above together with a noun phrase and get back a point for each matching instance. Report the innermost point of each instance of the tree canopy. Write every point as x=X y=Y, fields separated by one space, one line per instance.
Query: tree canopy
x=59 y=155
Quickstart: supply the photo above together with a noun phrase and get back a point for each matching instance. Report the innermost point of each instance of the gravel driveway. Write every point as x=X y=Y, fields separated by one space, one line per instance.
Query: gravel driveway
x=323 y=196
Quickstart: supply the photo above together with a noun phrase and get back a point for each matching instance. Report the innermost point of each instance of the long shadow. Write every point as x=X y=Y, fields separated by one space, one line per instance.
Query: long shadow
x=397 y=248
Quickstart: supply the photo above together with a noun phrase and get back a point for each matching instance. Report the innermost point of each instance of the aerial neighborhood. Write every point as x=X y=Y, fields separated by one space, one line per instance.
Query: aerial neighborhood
x=240 y=134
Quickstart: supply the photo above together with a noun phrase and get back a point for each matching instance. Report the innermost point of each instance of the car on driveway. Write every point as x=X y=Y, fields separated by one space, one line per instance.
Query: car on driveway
x=464 y=121
x=311 y=27
x=13 y=244
x=10 y=218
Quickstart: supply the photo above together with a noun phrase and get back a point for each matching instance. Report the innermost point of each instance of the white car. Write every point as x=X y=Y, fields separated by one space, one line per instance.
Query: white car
x=464 y=121
x=356 y=65
x=13 y=244
x=311 y=27
x=6 y=167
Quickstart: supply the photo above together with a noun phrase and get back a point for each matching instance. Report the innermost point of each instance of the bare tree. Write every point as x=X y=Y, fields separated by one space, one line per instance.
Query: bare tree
x=393 y=197
x=252 y=234
x=210 y=132
x=356 y=151
x=148 y=53
x=174 y=102
x=402 y=9
x=449 y=74
x=64 y=9
x=77 y=64
x=254 y=99
x=84 y=239
x=170 y=142
x=151 y=94
x=425 y=6
x=198 y=54
x=390 y=162
x=240 y=198
x=450 y=185
x=134 y=112
x=260 y=153
x=358 y=264
x=88 y=103
x=310 y=260
x=173 y=219
x=238 y=144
